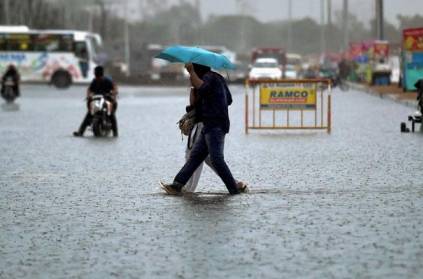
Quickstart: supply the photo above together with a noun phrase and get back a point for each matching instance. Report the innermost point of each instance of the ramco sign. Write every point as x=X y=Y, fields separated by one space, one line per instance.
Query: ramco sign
x=282 y=98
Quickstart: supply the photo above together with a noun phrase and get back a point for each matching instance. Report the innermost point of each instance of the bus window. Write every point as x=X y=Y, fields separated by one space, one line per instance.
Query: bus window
x=18 y=42
x=3 y=42
x=52 y=42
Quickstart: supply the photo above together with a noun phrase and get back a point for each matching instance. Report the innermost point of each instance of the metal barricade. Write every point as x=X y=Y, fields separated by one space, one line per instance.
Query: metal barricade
x=301 y=104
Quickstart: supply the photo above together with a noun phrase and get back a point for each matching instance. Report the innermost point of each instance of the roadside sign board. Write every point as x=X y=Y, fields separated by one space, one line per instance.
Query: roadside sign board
x=413 y=39
x=284 y=98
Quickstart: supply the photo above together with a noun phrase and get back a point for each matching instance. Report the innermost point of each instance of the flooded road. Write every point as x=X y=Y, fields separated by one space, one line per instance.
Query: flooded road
x=344 y=205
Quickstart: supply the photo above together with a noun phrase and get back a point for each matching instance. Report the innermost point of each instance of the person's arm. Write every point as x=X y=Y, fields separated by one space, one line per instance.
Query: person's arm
x=114 y=91
x=192 y=100
x=90 y=90
x=89 y=93
x=192 y=97
x=195 y=80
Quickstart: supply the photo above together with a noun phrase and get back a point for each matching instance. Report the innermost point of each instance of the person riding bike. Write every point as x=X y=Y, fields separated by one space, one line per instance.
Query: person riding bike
x=12 y=73
x=100 y=85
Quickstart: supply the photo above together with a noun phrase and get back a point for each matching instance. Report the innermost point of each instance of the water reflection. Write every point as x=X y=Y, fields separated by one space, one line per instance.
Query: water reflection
x=10 y=107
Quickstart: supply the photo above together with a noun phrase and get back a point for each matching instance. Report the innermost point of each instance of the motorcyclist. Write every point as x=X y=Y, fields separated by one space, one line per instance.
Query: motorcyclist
x=11 y=72
x=100 y=85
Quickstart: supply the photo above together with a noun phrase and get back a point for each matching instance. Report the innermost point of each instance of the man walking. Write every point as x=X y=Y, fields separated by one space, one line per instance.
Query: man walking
x=213 y=111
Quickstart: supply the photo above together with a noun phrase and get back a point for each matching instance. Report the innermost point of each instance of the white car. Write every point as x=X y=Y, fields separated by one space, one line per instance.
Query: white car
x=265 y=68
x=291 y=72
x=394 y=61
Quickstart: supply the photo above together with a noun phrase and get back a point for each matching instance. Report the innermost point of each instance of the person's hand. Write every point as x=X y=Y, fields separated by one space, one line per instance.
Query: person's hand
x=189 y=67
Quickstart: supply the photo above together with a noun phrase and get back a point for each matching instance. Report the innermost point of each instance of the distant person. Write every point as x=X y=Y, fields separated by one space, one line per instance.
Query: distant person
x=83 y=62
x=195 y=104
x=344 y=70
x=419 y=86
x=212 y=110
x=11 y=72
x=100 y=85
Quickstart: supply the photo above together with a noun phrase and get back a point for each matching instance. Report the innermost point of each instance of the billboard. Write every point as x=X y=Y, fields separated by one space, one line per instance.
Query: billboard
x=283 y=98
x=413 y=39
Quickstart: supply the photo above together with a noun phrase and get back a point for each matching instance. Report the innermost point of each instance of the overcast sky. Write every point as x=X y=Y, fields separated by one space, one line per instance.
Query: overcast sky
x=270 y=10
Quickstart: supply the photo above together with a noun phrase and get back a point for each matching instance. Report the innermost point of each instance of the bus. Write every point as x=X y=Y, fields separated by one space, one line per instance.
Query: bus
x=58 y=57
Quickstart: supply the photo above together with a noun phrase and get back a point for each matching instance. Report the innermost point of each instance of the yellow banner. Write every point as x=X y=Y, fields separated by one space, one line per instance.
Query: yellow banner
x=282 y=98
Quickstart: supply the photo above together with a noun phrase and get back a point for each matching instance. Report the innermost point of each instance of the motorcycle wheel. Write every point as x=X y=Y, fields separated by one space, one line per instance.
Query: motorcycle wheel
x=97 y=128
x=9 y=94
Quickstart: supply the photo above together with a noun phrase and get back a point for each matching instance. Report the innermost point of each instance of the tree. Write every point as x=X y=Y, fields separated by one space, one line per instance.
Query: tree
x=410 y=21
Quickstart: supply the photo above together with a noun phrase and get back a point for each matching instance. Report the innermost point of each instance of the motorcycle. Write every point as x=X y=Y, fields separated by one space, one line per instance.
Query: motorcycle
x=101 y=110
x=9 y=93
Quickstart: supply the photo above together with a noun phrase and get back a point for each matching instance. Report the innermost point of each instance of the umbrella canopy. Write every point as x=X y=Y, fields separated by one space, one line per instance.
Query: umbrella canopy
x=185 y=54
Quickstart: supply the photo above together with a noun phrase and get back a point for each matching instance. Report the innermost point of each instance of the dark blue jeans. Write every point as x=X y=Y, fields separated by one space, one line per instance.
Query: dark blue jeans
x=211 y=141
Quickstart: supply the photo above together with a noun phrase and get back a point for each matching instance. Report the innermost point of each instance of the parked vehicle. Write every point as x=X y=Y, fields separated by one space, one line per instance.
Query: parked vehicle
x=270 y=52
x=265 y=68
x=394 y=62
x=293 y=65
x=291 y=72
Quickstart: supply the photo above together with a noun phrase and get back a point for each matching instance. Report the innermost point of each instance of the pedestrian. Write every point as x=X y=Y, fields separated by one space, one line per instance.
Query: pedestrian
x=191 y=185
x=419 y=87
x=212 y=111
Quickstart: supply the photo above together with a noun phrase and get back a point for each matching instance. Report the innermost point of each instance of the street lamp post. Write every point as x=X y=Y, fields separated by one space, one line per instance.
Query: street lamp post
x=322 y=27
x=289 y=25
x=126 y=39
x=345 y=26
x=6 y=12
x=379 y=20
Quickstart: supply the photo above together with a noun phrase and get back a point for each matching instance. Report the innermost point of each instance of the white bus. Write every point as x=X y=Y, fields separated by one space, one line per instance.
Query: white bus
x=58 y=57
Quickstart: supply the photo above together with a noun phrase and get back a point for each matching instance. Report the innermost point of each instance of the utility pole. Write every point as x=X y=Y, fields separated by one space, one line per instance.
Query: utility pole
x=379 y=20
x=103 y=18
x=6 y=12
x=289 y=47
x=329 y=12
x=242 y=8
x=345 y=24
x=126 y=41
x=90 y=19
x=322 y=27
x=198 y=8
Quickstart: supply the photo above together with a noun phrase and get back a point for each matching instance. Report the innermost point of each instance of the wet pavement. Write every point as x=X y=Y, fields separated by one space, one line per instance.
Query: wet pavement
x=344 y=205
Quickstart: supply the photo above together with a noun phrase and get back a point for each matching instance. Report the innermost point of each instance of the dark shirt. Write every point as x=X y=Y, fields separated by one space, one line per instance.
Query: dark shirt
x=11 y=74
x=196 y=106
x=215 y=98
x=419 y=86
x=102 y=86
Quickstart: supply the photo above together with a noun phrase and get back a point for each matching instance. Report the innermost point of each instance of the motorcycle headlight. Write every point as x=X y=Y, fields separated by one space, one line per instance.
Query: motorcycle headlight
x=96 y=106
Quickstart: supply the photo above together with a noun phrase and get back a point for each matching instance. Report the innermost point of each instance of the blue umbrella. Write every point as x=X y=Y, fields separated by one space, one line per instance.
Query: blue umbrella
x=185 y=54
